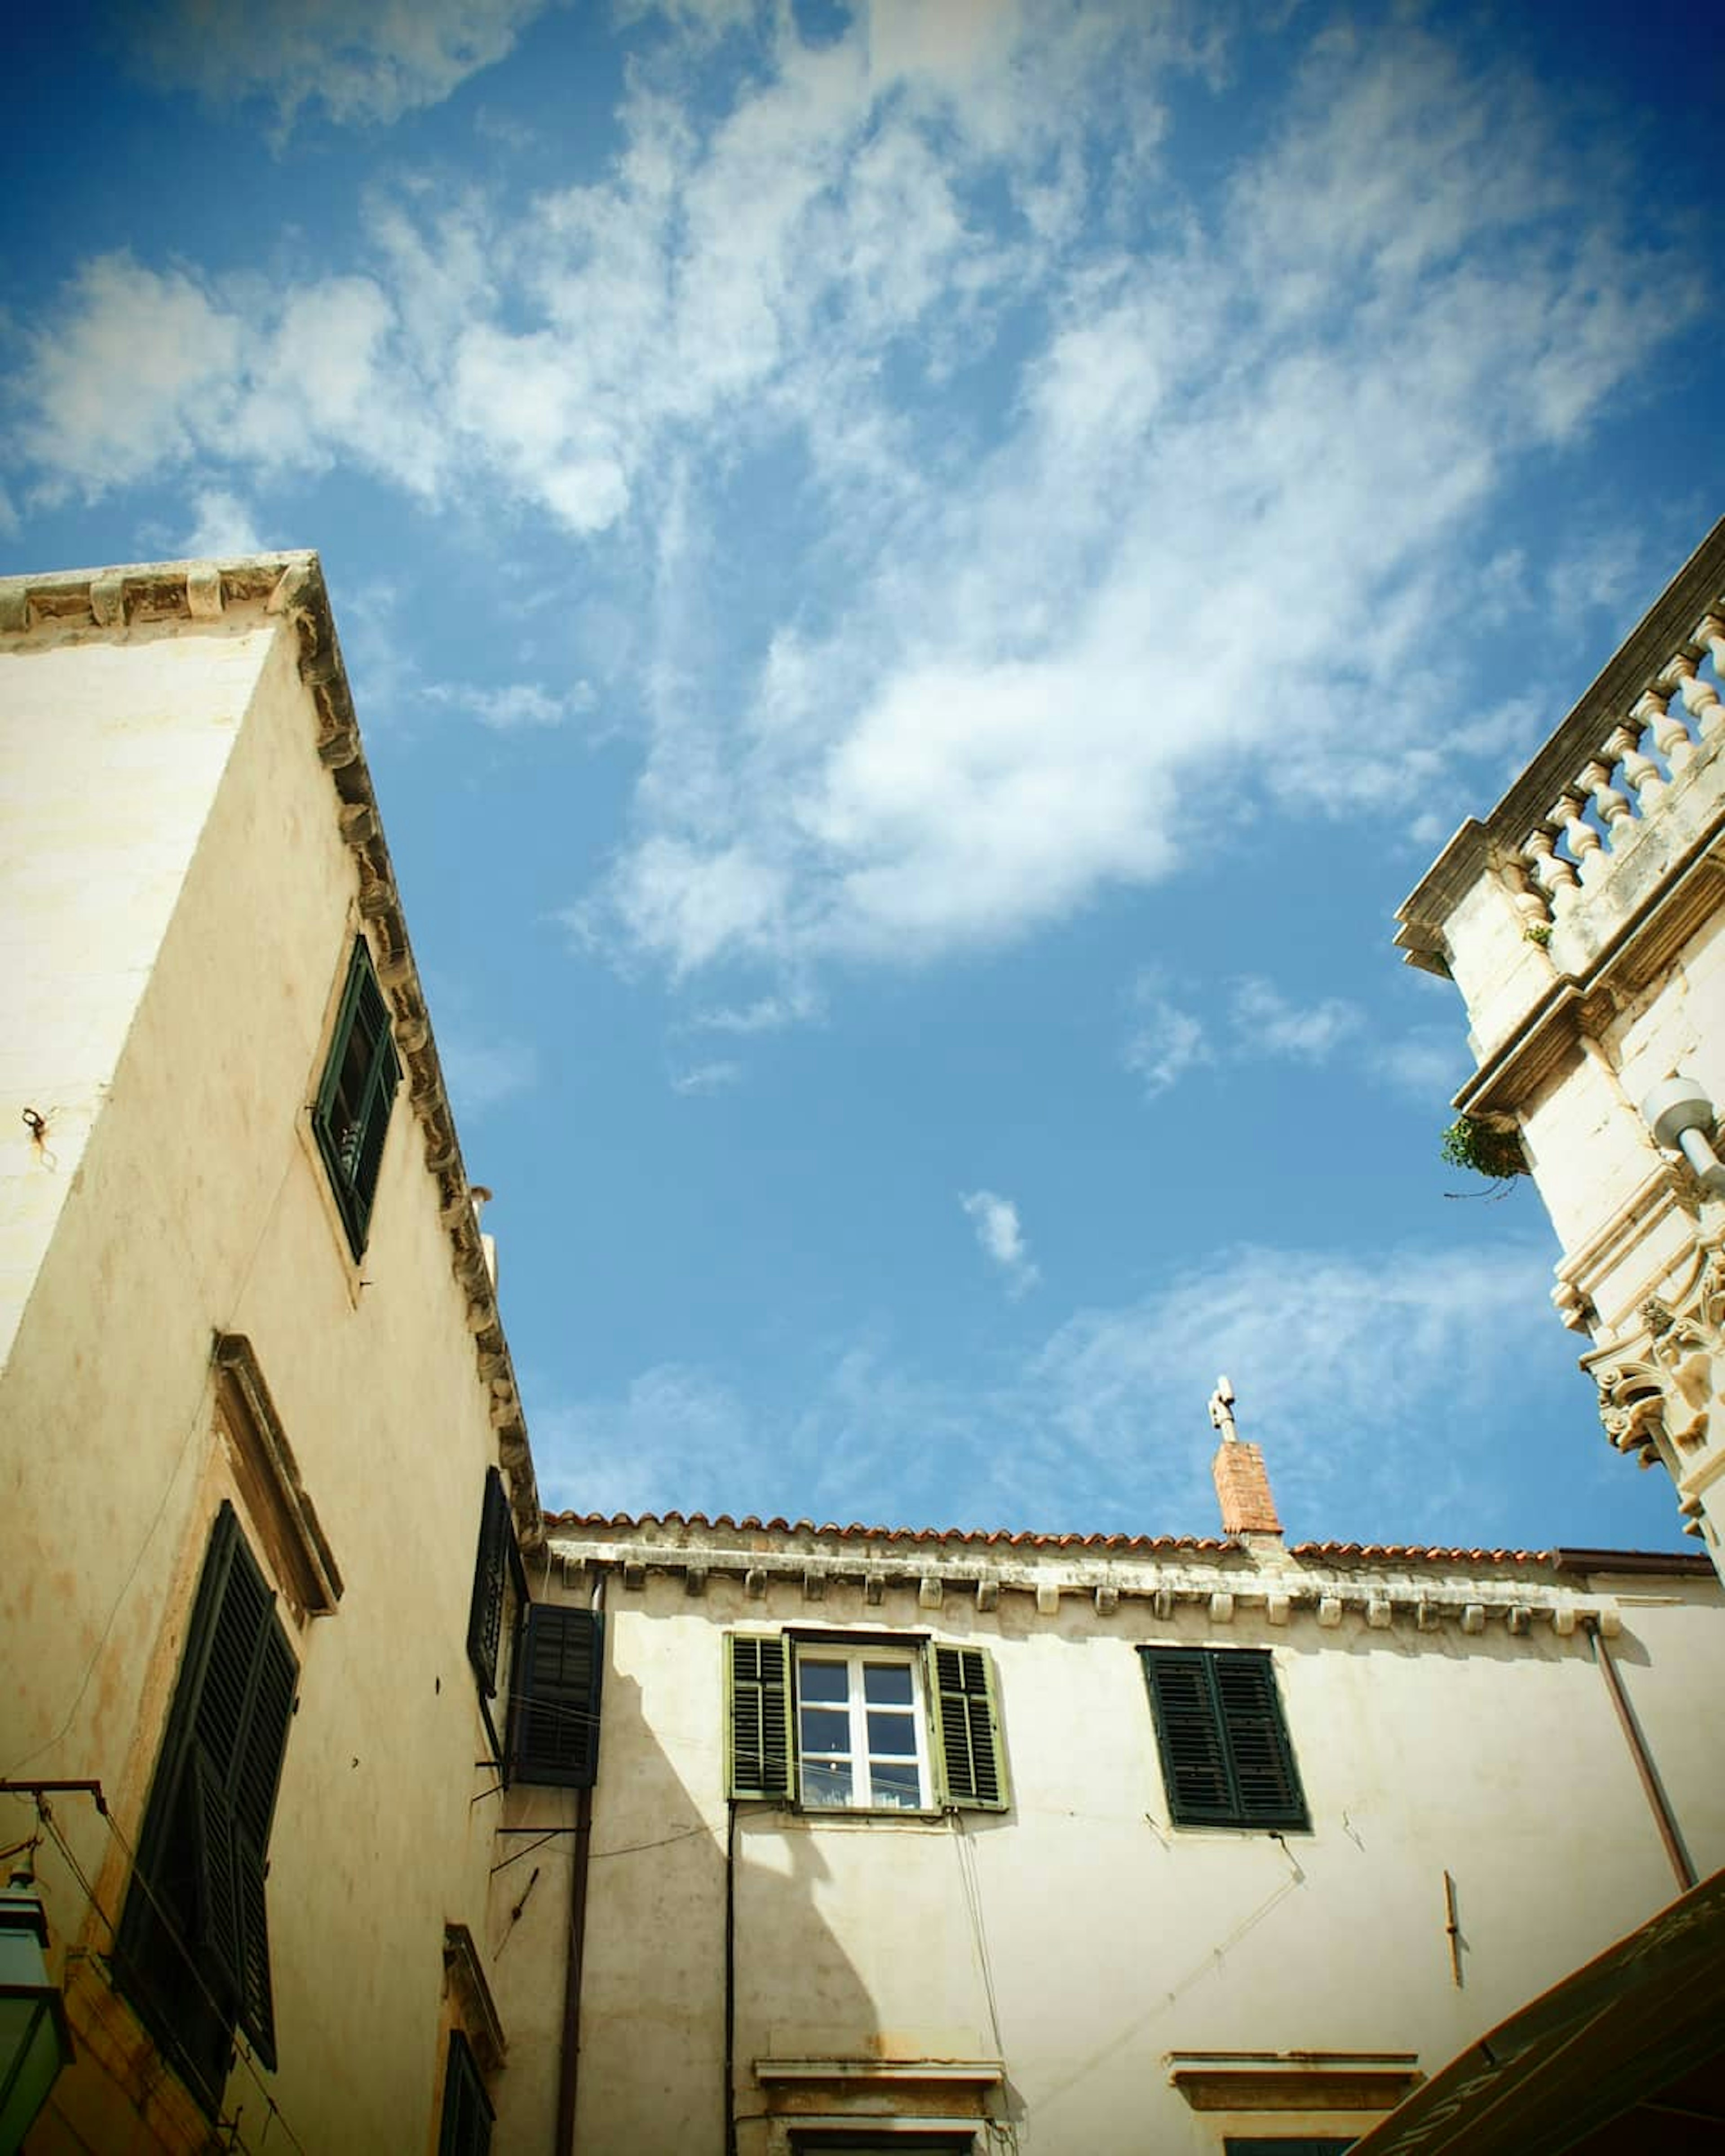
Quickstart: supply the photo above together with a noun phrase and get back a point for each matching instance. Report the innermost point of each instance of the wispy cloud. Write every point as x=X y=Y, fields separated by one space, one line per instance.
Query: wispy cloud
x=715 y=1077
x=1103 y=1424
x=362 y=61
x=768 y=1013
x=1253 y=1021
x=513 y=706
x=1000 y=1237
x=225 y=526
x=481 y=1073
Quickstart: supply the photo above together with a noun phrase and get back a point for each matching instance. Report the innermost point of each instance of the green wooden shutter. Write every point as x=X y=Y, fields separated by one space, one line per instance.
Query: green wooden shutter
x=1226 y=1757
x=559 y=1676
x=969 y=1757
x=762 y=1752
x=1262 y=1758
x=466 y=2126
x=1188 y=1734
x=194 y=1944
x=490 y=1575
x=351 y=1115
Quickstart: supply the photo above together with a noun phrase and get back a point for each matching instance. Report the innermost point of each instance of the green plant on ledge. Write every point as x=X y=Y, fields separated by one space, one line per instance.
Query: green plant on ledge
x=1539 y=932
x=1486 y=1149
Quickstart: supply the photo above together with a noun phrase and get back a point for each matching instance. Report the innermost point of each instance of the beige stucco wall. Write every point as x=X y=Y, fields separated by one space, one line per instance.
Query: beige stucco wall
x=194 y=907
x=1080 y=1938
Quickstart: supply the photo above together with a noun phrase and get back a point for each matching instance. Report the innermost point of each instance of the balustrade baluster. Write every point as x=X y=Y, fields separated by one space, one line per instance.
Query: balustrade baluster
x=1527 y=902
x=1585 y=843
x=1700 y=699
x=1670 y=737
x=1613 y=807
x=1554 y=876
x=1641 y=773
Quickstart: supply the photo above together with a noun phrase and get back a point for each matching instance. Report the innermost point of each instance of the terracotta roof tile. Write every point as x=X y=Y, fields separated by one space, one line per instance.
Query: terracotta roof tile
x=993 y=1538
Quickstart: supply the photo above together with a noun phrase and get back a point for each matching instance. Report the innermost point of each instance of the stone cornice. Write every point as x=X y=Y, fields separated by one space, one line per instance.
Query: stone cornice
x=105 y=603
x=1364 y=1587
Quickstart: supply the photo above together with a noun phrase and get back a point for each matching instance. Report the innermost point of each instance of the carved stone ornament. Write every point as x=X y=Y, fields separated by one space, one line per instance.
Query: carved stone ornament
x=1670 y=1381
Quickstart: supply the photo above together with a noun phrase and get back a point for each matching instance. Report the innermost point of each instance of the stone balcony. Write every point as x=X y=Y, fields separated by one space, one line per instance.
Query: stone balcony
x=1606 y=851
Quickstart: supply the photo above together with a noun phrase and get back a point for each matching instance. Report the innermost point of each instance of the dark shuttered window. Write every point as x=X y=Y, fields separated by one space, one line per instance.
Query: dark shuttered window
x=757 y=1672
x=466 y=2128
x=193 y=1950
x=559 y=1670
x=969 y=1761
x=490 y=1584
x=1226 y=1759
x=350 y=1114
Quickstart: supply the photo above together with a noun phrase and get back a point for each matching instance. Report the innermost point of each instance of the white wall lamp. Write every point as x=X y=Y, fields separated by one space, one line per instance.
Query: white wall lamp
x=1679 y=1114
x=35 y=2042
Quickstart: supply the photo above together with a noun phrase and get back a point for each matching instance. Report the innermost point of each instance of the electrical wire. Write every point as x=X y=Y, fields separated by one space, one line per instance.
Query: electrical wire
x=171 y=1924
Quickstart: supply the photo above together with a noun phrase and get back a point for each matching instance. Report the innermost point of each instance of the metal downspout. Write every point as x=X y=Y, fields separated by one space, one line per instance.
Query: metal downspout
x=1656 y=1799
x=569 y=2072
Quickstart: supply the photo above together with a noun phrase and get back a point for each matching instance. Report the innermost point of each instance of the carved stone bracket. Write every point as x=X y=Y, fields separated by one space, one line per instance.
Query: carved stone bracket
x=1666 y=1382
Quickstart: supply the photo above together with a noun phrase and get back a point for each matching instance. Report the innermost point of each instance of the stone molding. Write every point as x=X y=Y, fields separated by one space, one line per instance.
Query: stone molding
x=1274 y=1589
x=289 y=587
x=1661 y=1390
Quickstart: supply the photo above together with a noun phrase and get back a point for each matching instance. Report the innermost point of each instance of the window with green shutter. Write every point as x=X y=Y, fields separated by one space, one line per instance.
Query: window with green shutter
x=500 y=1591
x=854 y=1722
x=466 y=2126
x=1226 y=1756
x=193 y=1949
x=559 y=1670
x=350 y=1114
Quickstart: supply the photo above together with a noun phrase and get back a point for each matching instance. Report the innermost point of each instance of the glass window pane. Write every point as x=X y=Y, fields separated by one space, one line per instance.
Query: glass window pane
x=895 y=1733
x=887 y=1684
x=825 y=1729
x=823 y=1680
x=896 y=1788
x=824 y=1785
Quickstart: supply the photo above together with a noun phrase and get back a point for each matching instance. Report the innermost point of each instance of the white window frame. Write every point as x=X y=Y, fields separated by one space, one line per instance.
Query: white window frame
x=856 y=1659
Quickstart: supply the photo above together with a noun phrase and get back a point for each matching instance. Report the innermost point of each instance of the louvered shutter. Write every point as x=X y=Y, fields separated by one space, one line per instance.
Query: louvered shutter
x=1265 y=1778
x=1194 y=1761
x=558 y=1675
x=970 y=1759
x=466 y=2126
x=351 y=1115
x=757 y=1706
x=491 y=1573
x=1226 y=1759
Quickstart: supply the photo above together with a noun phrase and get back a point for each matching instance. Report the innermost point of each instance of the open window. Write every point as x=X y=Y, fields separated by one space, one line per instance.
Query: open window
x=350 y=1114
x=862 y=1724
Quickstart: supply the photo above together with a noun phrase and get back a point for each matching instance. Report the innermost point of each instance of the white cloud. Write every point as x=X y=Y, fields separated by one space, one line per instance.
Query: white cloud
x=1000 y=1237
x=225 y=526
x=361 y=60
x=480 y=1073
x=1103 y=1424
x=770 y=1013
x=513 y=706
x=1265 y=1023
x=1165 y=1040
x=716 y=1077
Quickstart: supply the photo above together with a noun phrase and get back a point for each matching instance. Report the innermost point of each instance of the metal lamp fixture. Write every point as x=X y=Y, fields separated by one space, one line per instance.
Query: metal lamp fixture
x=35 y=2042
x=1679 y=1114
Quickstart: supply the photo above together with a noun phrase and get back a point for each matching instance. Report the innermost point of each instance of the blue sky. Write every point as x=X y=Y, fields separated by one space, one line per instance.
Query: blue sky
x=920 y=580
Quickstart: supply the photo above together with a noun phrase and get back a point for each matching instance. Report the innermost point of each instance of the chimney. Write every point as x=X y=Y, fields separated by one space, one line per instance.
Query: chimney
x=1243 y=1489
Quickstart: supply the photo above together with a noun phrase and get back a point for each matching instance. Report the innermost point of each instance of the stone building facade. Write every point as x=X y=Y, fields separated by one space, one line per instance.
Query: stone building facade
x=1584 y=921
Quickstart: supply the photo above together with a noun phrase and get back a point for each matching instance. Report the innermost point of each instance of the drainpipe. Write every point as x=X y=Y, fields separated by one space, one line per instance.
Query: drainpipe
x=569 y=2073
x=1657 y=1801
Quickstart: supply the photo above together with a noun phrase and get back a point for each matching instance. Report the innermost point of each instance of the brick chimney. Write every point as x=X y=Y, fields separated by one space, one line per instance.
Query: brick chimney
x=1243 y=1489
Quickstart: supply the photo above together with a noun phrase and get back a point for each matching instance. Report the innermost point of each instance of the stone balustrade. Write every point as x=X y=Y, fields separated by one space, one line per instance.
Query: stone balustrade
x=1625 y=779
x=1630 y=775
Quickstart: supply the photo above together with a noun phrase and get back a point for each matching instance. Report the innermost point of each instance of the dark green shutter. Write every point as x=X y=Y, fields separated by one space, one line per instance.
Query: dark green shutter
x=758 y=1708
x=1226 y=1758
x=466 y=2128
x=194 y=1945
x=559 y=1676
x=491 y=1573
x=970 y=1760
x=351 y=1115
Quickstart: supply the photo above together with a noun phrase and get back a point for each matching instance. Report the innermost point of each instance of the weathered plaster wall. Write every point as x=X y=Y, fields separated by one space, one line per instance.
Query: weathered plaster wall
x=1079 y=1938
x=196 y=1204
